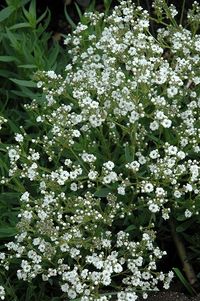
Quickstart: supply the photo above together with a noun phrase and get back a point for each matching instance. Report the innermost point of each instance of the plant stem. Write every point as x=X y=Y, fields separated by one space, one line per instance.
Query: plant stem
x=187 y=267
x=182 y=13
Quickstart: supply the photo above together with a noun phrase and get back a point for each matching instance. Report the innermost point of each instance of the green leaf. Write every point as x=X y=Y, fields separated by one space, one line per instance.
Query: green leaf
x=6 y=73
x=20 y=25
x=181 y=218
x=130 y=228
x=25 y=83
x=32 y=9
x=83 y=3
x=3 y=168
x=128 y=156
x=7 y=58
x=42 y=16
x=31 y=14
x=45 y=23
x=68 y=18
x=91 y=6
x=107 y=4
x=78 y=11
x=154 y=138
x=184 y=281
x=13 y=126
x=7 y=231
x=102 y=193
x=25 y=92
x=26 y=13
x=184 y=226
x=10 y=197
x=53 y=54
x=18 y=3
x=13 y=40
x=28 y=66
x=6 y=12
x=170 y=138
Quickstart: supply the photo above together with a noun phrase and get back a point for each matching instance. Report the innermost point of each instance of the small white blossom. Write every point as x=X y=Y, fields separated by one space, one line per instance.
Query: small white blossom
x=188 y=213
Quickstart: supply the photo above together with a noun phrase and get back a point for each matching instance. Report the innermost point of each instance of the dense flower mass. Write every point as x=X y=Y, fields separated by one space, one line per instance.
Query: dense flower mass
x=116 y=148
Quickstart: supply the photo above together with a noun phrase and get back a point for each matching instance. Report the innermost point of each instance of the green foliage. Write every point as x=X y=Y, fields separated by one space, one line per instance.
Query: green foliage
x=27 y=47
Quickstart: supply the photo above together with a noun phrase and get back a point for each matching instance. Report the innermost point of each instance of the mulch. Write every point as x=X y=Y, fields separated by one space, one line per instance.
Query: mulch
x=170 y=296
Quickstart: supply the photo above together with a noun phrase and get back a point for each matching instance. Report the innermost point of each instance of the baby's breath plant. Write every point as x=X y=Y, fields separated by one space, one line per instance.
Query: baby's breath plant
x=116 y=150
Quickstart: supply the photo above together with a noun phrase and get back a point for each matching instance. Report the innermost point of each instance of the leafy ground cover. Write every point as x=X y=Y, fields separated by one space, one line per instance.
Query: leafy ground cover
x=99 y=152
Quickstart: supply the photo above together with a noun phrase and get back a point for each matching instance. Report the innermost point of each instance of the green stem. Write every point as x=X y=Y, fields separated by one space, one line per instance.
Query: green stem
x=187 y=267
x=182 y=12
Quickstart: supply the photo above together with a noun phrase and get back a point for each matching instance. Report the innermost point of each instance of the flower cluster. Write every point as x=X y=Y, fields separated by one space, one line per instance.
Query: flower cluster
x=116 y=147
x=2 y=293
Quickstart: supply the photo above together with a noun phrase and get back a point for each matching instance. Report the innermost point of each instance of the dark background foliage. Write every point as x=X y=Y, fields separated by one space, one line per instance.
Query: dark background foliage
x=59 y=24
x=56 y=8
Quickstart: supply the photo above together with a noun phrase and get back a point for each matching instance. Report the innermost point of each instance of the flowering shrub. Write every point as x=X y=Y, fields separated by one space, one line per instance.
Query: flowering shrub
x=115 y=150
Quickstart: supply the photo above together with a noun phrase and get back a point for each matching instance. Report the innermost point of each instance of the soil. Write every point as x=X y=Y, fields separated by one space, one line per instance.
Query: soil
x=170 y=296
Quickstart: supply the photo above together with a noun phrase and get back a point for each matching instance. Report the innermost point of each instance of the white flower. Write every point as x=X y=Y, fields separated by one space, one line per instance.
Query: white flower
x=39 y=118
x=188 y=213
x=92 y=175
x=35 y=156
x=68 y=162
x=172 y=150
x=72 y=294
x=88 y=157
x=19 y=137
x=188 y=187
x=172 y=91
x=166 y=123
x=154 y=154
x=27 y=215
x=154 y=208
x=65 y=287
x=146 y=275
x=148 y=187
x=160 y=115
x=118 y=268
x=181 y=155
x=134 y=117
x=197 y=45
x=25 y=196
x=143 y=23
x=131 y=296
x=51 y=74
x=2 y=292
x=121 y=190
x=106 y=281
x=109 y=165
x=160 y=191
x=73 y=186
x=165 y=213
x=139 y=261
x=13 y=154
x=144 y=295
x=39 y=84
x=134 y=166
x=154 y=125
x=177 y=194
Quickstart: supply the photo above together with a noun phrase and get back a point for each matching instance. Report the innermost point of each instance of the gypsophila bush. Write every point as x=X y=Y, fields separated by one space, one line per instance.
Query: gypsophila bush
x=116 y=151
